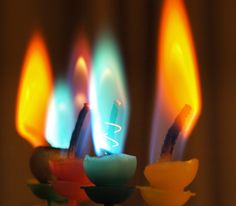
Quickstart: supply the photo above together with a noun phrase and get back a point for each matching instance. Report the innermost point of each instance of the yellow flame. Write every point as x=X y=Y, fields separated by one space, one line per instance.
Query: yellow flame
x=178 y=81
x=35 y=89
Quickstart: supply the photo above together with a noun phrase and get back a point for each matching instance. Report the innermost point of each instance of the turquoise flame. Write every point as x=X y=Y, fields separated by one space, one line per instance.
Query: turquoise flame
x=61 y=116
x=108 y=97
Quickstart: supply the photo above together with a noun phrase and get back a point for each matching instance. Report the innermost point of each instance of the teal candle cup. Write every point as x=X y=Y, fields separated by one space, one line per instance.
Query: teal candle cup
x=110 y=170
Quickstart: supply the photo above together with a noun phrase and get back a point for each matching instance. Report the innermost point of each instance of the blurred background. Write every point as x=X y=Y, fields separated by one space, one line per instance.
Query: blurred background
x=135 y=25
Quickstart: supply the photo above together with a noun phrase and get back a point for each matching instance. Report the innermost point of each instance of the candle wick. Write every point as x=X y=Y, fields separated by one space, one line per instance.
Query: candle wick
x=76 y=132
x=105 y=152
x=174 y=131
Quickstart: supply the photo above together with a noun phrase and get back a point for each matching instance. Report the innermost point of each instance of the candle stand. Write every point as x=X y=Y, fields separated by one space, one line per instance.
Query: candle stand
x=109 y=195
x=45 y=191
x=110 y=174
x=70 y=176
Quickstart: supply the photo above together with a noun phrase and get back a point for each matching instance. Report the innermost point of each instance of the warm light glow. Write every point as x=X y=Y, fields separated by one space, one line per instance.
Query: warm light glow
x=108 y=97
x=34 y=92
x=177 y=77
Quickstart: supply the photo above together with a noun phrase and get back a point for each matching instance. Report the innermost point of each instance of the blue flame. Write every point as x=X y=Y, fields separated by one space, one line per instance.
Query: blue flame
x=108 y=97
x=61 y=116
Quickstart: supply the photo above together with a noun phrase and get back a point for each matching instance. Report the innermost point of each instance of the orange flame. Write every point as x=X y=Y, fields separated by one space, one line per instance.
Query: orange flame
x=178 y=80
x=34 y=92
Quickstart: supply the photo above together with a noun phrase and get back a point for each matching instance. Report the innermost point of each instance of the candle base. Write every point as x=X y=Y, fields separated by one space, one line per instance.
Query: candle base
x=46 y=192
x=109 y=195
x=153 y=196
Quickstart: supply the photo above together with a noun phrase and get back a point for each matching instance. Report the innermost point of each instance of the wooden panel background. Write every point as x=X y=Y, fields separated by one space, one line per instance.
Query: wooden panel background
x=134 y=22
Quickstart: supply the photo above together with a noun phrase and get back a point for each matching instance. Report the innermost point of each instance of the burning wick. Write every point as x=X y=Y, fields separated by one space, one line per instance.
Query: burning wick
x=77 y=130
x=174 y=131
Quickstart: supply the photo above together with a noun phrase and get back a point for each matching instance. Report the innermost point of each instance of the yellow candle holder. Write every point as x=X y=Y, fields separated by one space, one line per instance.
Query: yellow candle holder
x=167 y=181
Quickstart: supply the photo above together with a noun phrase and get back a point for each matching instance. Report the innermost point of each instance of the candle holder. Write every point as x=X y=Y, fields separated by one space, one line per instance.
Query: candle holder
x=70 y=176
x=45 y=191
x=39 y=161
x=110 y=174
x=39 y=165
x=168 y=178
x=167 y=181
x=109 y=195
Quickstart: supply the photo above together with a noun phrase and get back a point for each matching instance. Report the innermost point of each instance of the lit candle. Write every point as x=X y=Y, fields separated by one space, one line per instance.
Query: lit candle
x=177 y=85
x=111 y=170
x=34 y=108
x=169 y=178
x=69 y=173
x=35 y=90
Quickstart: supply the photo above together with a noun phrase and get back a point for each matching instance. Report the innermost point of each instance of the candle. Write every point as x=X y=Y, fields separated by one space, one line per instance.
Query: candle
x=177 y=95
x=33 y=109
x=32 y=104
x=111 y=170
x=167 y=178
x=69 y=173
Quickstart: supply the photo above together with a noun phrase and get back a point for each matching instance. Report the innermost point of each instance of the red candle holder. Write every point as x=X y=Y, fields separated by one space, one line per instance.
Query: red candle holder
x=70 y=176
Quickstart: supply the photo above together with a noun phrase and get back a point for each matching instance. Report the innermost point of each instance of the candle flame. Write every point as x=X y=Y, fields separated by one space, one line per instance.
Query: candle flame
x=60 y=116
x=177 y=78
x=109 y=98
x=34 y=92
x=79 y=73
x=79 y=77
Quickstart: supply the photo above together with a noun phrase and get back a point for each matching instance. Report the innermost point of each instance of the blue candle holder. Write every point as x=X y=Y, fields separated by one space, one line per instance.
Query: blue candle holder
x=110 y=174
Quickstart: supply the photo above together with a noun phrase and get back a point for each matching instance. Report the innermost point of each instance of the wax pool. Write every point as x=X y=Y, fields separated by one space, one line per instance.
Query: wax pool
x=110 y=170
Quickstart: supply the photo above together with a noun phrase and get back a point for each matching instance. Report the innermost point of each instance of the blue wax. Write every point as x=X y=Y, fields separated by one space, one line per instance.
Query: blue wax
x=110 y=170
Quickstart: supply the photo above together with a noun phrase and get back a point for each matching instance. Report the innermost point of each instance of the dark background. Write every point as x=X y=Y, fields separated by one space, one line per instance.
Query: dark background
x=135 y=24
